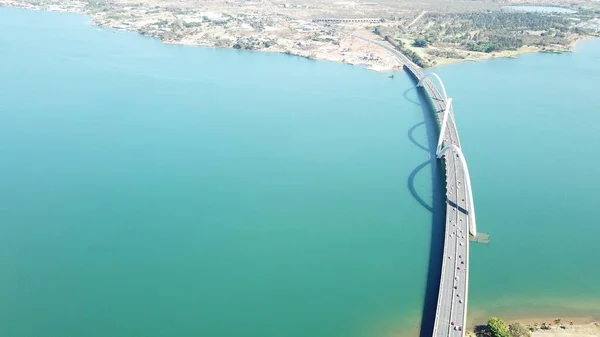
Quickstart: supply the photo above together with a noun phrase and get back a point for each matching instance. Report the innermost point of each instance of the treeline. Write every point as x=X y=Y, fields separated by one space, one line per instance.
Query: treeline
x=512 y=21
x=495 y=43
x=446 y=53
x=399 y=45
x=497 y=328
x=492 y=31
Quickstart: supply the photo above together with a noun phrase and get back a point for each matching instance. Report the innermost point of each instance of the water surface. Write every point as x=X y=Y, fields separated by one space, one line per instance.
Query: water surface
x=160 y=190
x=529 y=128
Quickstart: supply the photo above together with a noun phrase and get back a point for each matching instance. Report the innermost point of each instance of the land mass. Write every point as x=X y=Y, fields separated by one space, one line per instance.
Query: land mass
x=537 y=327
x=430 y=33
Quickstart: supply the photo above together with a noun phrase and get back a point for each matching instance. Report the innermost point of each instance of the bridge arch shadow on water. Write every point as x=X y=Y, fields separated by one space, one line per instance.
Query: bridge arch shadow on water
x=436 y=206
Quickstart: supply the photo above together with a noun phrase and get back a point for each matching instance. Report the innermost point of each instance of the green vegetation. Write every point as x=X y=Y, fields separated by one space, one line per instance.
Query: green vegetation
x=495 y=43
x=518 y=330
x=249 y=43
x=497 y=327
x=192 y=24
x=497 y=31
x=421 y=43
x=446 y=54
x=452 y=35
x=399 y=45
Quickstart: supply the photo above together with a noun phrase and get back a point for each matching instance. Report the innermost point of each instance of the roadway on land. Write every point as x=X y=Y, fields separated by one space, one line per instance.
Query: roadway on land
x=451 y=308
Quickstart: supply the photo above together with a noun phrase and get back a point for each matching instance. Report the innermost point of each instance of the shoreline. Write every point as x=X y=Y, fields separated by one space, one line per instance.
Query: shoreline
x=531 y=320
x=513 y=54
x=377 y=58
x=395 y=67
x=567 y=327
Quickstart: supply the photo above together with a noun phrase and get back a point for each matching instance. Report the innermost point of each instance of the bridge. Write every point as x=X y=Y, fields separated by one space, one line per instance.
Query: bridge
x=451 y=310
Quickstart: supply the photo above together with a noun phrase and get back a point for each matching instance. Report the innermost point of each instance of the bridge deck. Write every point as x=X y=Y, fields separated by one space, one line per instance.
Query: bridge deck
x=453 y=292
x=451 y=308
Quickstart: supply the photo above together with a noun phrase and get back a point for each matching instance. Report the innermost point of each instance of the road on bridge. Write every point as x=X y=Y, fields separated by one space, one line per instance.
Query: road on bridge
x=451 y=310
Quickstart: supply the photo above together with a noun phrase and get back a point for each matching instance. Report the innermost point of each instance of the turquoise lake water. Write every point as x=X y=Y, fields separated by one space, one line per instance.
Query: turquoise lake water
x=161 y=190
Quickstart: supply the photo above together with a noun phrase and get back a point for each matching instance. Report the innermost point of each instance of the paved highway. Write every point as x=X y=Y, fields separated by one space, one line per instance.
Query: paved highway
x=451 y=311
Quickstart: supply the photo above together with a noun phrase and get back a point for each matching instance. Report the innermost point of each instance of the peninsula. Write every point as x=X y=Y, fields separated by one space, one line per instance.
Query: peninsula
x=430 y=33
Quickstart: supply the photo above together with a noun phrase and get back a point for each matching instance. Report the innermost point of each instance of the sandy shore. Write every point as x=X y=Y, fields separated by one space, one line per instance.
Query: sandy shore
x=573 y=326
x=575 y=330
x=489 y=56
x=379 y=60
x=509 y=53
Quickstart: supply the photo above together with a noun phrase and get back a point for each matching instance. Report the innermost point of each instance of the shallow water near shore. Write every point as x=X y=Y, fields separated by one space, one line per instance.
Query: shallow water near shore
x=162 y=190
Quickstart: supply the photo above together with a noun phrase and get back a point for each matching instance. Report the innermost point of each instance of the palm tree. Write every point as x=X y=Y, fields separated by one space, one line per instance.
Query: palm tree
x=557 y=321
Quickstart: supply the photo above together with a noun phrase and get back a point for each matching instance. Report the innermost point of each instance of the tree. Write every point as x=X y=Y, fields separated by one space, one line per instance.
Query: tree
x=557 y=321
x=518 y=330
x=498 y=327
x=420 y=43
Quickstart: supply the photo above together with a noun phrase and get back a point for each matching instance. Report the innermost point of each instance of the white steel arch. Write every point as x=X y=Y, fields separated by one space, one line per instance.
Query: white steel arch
x=443 y=126
x=463 y=162
x=439 y=81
